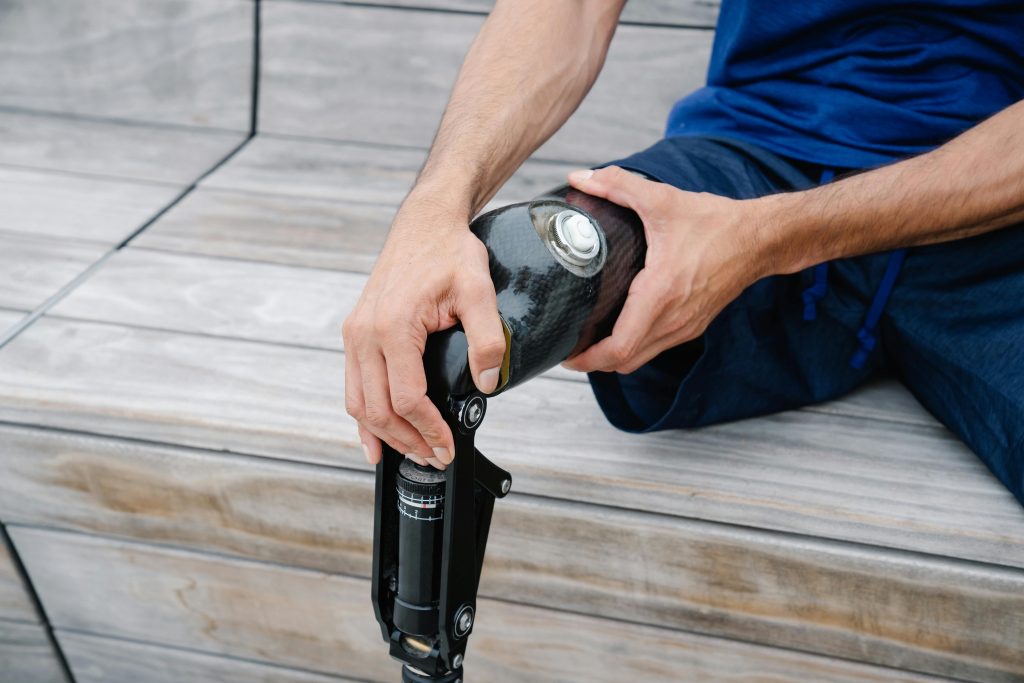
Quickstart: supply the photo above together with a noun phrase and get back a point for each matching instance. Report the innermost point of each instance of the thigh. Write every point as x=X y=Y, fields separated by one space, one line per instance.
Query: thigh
x=759 y=355
x=955 y=332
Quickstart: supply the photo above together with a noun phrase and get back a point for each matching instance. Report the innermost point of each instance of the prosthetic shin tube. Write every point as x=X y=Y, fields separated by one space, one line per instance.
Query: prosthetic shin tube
x=561 y=266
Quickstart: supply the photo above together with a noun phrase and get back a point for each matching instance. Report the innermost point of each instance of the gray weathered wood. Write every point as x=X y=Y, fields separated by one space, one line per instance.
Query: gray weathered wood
x=383 y=76
x=260 y=301
x=360 y=173
x=171 y=61
x=324 y=622
x=26 y=654
x=273 y=228
x=98 y=659
x=33 y=268
x=9 y=318
x=694 y=13
x=756 y=586
x=132 y=151
x=15 y=603
x=75 y=207
x=810 y=473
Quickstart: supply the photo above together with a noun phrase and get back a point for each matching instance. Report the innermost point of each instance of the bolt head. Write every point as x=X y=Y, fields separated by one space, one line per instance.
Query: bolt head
x=457 y=661
x=506 y=485
x=473 y=412
x=465 y=621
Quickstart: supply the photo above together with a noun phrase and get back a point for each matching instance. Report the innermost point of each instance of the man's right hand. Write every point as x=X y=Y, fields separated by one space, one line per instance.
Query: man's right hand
x=431 y=274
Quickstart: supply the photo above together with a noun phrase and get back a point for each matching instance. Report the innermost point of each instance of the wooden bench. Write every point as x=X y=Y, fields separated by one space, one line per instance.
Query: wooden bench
x=189 y=501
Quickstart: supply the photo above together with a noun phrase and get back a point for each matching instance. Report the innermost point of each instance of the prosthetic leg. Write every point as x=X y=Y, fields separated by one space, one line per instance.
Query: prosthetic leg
x=561 y=266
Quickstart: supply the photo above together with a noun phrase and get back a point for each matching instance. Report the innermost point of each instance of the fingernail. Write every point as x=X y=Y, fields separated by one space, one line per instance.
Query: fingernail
x=366 y=453
x=580 y=176
x=416 y=459
x=443 y=454
x=436 y=463
x=489 y=380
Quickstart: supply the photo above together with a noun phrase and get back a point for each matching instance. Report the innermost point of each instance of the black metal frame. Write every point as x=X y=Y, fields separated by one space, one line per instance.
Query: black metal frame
x=472 y=483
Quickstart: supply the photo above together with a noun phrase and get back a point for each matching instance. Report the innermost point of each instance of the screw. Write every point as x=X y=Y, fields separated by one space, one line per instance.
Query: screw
x=393 y=584
x=506 y=486
x=473 y=412
x=457 y=661
x=465 y=621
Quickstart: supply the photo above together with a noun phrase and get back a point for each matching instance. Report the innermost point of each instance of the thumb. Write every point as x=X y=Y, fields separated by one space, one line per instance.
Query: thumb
x=615 y=184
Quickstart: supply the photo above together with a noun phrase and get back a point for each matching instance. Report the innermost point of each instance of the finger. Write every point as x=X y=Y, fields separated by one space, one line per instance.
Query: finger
x=372 y=448
x=379 y=418
x=477 y=308
x=407 y=385
x=635 y=323
x=617 y=185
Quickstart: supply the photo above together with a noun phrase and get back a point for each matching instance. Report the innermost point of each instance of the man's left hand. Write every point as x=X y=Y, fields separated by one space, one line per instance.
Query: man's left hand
x=703 y=250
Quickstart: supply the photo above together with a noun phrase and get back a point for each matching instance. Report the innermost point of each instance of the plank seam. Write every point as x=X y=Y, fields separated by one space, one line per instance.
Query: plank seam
x=69 y=287
x=508 y=601
x=30 y=590
x=191 y=650
x=135 y=123
x=87 y=175
x=825 y=544
x=476 y=13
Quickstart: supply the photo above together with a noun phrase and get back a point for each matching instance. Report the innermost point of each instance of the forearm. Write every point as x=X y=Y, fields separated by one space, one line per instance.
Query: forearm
x=528 y=69
x=971 y=185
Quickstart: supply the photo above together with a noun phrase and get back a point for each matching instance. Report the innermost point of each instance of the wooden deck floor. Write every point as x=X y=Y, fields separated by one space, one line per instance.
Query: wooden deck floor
x=189 y=501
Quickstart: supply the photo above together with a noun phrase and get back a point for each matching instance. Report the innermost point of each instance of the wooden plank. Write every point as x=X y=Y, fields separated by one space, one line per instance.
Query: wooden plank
x=98 y=659
x=80 y=208
x=324 y=622
x=316 y=58
x=756 y=586
x=809 y=473
x=274 y=229
x=132 y=151
x=265 y=302
x=26 y=654
x=324 y=169
x=169 y=61
x=15 y=603
x=33 y=268
x=9 y=318
x=692 y=13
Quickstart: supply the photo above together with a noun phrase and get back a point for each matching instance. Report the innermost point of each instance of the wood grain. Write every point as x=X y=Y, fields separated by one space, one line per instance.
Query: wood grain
x=265 y=302
x=9 y=318
x=325 y=169
x=169 y=61
x=14 y=601
x=121 y=150
x=809 y=473
x=33 y=268
x=26 y=654
x=324 y=622
x=79 y=208
x=692 y=13
x=390 y=72
x=98 y=659
x=764 y=587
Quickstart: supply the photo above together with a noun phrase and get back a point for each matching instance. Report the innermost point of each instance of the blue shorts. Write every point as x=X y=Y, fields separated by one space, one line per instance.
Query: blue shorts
x=948 y=320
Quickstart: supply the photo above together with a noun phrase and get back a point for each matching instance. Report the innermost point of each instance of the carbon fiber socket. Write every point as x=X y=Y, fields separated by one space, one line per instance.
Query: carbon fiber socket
x=420 y=532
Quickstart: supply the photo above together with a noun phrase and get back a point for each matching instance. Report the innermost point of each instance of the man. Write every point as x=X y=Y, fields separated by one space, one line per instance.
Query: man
x=776 y=274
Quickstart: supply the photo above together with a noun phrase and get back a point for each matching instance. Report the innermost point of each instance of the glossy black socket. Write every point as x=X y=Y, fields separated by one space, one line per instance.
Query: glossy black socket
x=421 y=495
x=551 y=309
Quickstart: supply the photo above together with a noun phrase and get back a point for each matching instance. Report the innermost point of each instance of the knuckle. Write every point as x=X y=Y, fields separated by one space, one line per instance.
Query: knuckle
x=355 y=408
x=406 y=404
x=377 y=417
x=489 y=348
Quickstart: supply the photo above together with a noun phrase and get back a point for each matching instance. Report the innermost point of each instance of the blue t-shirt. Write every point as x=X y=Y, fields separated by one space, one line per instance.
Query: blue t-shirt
x=854 y=83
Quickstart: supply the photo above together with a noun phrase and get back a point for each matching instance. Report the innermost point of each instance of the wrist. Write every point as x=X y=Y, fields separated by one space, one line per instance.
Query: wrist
x=777 y=223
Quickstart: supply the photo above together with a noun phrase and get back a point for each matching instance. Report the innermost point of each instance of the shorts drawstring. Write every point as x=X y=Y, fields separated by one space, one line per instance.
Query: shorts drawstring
x=866 y=335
